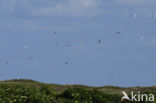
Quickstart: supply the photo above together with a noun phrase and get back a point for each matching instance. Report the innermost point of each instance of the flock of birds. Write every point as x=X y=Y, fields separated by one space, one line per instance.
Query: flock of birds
x=29 y=49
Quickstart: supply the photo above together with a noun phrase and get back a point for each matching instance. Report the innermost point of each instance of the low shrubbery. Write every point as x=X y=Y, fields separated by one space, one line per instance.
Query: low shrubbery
x=43 y=93
x=21 y=93
x=89 y=96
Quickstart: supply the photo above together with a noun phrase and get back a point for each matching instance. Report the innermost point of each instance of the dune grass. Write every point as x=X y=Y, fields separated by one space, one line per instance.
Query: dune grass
x=30 y=91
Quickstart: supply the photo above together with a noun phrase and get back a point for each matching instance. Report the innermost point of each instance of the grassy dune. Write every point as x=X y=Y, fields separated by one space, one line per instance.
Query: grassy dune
x=29 y=91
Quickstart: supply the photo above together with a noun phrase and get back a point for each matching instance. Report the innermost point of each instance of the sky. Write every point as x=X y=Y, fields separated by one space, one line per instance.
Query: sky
x=56 y=41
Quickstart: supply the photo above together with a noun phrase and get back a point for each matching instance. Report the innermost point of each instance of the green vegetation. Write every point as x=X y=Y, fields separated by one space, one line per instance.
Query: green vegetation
x=29 y=91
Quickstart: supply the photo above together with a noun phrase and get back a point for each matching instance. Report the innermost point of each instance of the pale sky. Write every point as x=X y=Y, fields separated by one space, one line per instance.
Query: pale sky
x=30 y=49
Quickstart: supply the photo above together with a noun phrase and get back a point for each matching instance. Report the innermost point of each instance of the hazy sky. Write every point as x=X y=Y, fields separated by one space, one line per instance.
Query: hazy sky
x=30 y=49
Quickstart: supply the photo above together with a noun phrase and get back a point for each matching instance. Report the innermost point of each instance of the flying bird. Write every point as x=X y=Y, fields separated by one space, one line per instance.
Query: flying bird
x=57 y=30
x=99 y=41
x=117 y=32
x=142 y=38
x=51 y=66
x=81 y=44
x=26 y=48
x=7 y=63
x=134 y=16
x=66 y=63
x=92 y=16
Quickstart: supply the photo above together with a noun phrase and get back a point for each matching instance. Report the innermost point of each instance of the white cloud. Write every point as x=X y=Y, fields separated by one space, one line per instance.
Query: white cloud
x=70 y=8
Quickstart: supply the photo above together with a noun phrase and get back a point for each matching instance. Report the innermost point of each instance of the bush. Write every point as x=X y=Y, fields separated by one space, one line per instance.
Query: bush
x=42 y=93
x=89 y=96
x=23 y=94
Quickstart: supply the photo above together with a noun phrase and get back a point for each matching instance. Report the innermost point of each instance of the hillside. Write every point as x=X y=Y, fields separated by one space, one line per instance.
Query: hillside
x=30 y=91
x=59 y=88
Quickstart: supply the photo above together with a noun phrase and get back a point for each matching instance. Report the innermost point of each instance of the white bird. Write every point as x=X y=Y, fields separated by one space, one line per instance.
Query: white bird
x=81 y=44
x=51 y=66
x=134 y=16
x=125 y=96
x=142 y=38
x=27 y=48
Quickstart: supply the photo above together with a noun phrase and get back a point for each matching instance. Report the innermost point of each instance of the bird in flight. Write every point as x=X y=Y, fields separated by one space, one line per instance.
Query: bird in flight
x=118 y=32
x=134 y=16
x=7 y=63
x=142 y=38
x=27 y=48
x=66 y=63
x=51 y=66
x=99 y=41
x=81 y=44
x=92 y=16
x=57 y=30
